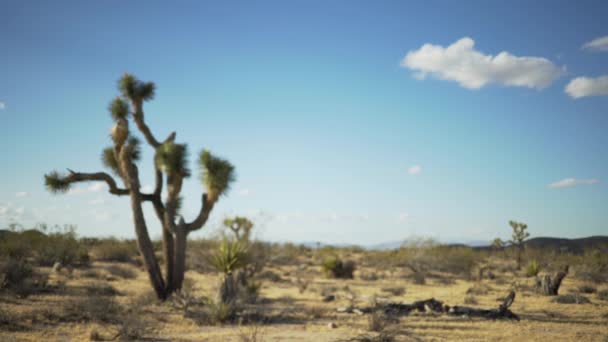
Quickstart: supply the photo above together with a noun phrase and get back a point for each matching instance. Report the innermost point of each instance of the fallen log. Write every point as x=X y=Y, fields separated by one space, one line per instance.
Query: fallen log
x=436 y=306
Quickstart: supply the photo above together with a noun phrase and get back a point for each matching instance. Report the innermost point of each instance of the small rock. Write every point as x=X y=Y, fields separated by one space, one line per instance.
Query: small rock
x=57 y=267
x=358 y=312
x=344 y=309
x=332 y=325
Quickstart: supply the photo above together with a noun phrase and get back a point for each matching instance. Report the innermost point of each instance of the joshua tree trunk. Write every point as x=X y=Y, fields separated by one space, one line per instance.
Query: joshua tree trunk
x=179 y=260
x=519 y=249
x=549 y=286
x=170 y=161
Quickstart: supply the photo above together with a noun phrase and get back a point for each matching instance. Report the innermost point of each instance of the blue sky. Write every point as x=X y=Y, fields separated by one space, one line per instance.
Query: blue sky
x=347 y=121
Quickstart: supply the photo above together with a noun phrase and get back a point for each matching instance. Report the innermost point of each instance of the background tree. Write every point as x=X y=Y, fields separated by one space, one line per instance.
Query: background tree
x=517 y=239
x=240 y=227
x=498 y=244
x=171 y=168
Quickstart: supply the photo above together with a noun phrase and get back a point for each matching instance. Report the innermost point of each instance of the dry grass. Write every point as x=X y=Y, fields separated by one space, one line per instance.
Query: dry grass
x=87 y=308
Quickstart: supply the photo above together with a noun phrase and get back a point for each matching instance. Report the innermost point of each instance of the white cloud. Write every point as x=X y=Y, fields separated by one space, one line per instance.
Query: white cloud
x=414 y=170
x=600 y=44
x=147 y=189
x=587 y=86
x=244 y=192
x=472 y=69
x=21 y=194
x=75 y=191
x=403 y=217
x=568 y=182
x=97 y=187
x=2 y=105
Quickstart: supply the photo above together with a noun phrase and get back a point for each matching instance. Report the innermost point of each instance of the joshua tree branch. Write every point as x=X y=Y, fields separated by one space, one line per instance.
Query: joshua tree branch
x=203 y=215
x=75 y=177
x=138 y=118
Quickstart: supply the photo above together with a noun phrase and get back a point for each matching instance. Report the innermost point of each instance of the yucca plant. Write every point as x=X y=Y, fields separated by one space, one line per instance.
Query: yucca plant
x=230 y=256
x=171 y=168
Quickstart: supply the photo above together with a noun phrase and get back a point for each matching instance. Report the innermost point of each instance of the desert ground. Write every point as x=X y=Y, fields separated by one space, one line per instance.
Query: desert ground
x=296 y=300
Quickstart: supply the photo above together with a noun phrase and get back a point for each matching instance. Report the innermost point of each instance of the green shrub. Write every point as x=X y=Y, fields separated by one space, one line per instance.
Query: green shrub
x=532 y=269
x=13 y=272
x=62 y=247
x=337 y=268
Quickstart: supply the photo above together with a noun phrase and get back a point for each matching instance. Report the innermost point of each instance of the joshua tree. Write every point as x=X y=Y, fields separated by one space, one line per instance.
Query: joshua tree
x=498 y=244
x=170 y=166
x=518 y=237
x=240 y=227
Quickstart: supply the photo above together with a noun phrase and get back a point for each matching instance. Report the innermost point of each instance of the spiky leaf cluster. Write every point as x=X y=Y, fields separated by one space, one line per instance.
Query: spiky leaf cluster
x=56 y=183
x=230 y=256
x=109 y=160
x=216 y=173
x=172 y=158
x=134 y=89
x=119 y=109
x=134 y=148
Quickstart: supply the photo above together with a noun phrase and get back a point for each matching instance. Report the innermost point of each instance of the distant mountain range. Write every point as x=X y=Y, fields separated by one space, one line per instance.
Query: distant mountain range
x=549 y=243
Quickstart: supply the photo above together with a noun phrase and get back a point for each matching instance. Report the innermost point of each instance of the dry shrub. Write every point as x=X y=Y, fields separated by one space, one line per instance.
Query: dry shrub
x=270 y=276
x=470 y=300
x=90 y=273
x=395 y=291
x=113 y=249
x=479 y=289
x=603 y=294
x=316 y=312
x=571 y=298
x=101 y=309
x=419 y=278
x=253 y=333
x=102 y=290
x=378 y=321
x=587 y=289
x=121 y=271
x=426 y=255
x=369 y=276
x=19 y=277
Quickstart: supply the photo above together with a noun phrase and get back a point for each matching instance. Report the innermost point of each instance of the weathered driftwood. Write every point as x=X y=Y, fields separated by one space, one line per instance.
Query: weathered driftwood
x=433 y=305
x=549 y=286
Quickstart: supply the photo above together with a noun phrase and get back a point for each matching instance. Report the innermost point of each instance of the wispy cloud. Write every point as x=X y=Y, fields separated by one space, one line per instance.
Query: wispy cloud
x=587 y=86
x=2 y=105
x=93 y=188
x=244 y=192
x=21 y=194
x=97 y=201
x=568 y=182
x=403 y=217
x=147 y=188
x=598 y=44
x=97 y=187
x=414 y=170
x=472 y=69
